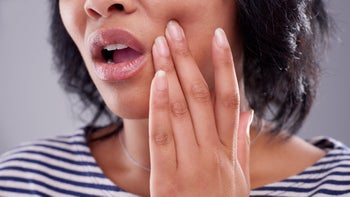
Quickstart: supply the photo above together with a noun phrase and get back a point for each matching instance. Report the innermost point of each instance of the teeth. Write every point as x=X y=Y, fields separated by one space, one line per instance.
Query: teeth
x=113 y=47
x=110 y=61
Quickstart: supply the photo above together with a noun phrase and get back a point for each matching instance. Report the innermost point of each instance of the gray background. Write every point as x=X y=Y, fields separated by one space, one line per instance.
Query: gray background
x=33 y=105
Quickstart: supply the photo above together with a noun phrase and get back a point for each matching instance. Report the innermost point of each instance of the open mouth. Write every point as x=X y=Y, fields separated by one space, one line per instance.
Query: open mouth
x=118 y=53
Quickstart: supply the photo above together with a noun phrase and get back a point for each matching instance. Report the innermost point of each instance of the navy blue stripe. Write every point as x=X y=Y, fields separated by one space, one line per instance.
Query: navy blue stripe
x=332 y=161
x=59 y=168
x=66 y=181
x=331 y=192
x=333 y=155
x=56 y=189
x=284 y=189
x=22 y=191
x=321 y=171
x=303 y=189
x=310 y=180
x=61 y=159
x=265 y=195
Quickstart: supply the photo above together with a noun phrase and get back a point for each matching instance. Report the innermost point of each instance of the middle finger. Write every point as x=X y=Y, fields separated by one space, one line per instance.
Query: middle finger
x=181 y=123
x=193 y=85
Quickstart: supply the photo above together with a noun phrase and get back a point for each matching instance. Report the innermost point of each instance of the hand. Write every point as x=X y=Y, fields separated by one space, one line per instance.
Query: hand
x=199 y=147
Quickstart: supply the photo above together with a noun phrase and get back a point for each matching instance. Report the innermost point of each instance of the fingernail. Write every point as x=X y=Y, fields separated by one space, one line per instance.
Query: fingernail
x=161 y=81
x=161 y=46
x=175 y=31
x=220 y=37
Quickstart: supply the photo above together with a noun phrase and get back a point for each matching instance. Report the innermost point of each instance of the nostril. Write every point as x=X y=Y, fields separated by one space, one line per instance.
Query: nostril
x=119 y=7
x=92 y=13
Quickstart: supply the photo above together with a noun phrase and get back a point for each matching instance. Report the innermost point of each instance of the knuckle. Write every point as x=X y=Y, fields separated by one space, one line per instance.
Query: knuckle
x=179 y=109
x=166 y=66
x=158 y=102
x=161 y=138
x=230 y=100
x=219 y=158
x=182 y=50
x=200 y=92
x=226 y=61
x=227 y=50
x=225 y=58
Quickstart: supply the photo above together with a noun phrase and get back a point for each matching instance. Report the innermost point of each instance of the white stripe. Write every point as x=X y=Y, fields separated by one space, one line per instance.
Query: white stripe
x=12 y=194
x=29 y=145
x=53 y=162
x=30 y=187
x=51 y=182
x=52 y=172
x=302 y=184
x=53 y=152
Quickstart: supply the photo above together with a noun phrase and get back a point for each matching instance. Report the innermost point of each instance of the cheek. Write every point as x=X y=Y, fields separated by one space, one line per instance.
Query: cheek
x=73 y=18
x=199 y=25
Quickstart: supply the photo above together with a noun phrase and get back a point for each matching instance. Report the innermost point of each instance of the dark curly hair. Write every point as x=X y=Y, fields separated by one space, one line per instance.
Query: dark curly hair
x=282 y=40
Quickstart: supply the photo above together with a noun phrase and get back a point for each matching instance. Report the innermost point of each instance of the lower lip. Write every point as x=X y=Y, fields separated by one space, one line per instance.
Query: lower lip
x=120 y=72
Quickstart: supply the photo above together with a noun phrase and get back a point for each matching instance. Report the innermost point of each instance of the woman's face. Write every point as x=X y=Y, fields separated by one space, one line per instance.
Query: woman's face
x=115 y=39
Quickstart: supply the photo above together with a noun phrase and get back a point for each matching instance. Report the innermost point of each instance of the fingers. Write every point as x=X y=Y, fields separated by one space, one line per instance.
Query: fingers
x=185 y=125
x=190 y=103
x=181 y=121
x=162 y=147
x=226 y=89
x=193 y=85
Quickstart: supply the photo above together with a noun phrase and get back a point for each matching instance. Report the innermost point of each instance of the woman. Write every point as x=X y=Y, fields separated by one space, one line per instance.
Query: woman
x=176 y=83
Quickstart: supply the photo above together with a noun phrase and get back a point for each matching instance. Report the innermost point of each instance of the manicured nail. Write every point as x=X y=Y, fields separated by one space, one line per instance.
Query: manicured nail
x=162 y=46
x=161 y=81
x=175 y=31
x=220 y=37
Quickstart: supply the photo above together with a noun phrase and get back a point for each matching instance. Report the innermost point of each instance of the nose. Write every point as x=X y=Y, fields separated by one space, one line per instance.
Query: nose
x=104 y=8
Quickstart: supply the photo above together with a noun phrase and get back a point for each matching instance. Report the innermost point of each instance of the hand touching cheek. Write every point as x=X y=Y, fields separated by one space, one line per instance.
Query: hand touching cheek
x=194 y=139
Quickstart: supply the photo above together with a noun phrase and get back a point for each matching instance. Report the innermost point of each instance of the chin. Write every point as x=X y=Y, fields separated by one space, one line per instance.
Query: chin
x=129 y=106
x=128 y=99
x=131 y=113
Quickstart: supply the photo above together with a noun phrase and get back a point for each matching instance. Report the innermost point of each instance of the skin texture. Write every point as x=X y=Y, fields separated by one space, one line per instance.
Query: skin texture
x=146 y=20
x=181 y=112
x=192 y=148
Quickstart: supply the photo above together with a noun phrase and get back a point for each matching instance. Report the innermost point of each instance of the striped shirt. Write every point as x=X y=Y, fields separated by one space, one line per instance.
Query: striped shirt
x=330 y=176
x=64 y=166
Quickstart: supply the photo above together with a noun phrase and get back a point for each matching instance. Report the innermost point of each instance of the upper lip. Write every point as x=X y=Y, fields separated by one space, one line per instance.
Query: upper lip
x=100 y=39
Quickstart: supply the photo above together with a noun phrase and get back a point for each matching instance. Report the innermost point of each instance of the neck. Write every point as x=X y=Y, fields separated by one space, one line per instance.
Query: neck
x=269 y=157
x=135 y=138
x=273 y=158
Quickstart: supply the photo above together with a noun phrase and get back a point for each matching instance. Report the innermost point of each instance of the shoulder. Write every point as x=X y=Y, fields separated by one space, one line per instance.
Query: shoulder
x=336 y=162
x=329 y=176
x=57 y=166
x=58 y=148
